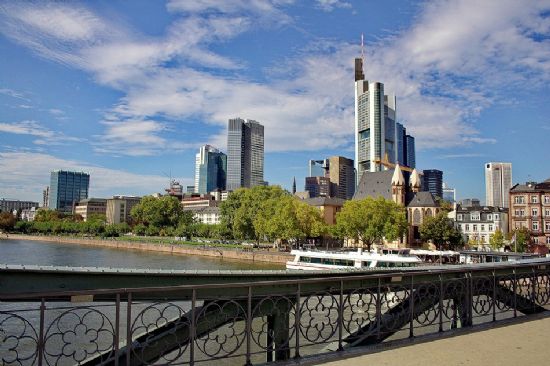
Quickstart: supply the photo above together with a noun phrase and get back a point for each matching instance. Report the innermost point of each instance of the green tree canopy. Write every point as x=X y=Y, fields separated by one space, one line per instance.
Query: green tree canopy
x=519 y=239
x=497 y=240
x=371 y=220
x=7 y=221
x=441 y=230
x=158 y=213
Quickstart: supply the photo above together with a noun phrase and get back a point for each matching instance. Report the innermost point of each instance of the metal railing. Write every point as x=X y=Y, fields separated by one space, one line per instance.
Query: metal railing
x=262 y=321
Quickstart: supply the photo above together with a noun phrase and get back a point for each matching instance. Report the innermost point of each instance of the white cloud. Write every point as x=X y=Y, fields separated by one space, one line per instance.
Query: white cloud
x=33 y=128
x=12 y=93
x=30 y=174
x=330 y=5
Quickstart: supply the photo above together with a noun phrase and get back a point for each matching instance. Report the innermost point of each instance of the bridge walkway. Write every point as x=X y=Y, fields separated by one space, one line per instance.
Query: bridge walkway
x=521 y=341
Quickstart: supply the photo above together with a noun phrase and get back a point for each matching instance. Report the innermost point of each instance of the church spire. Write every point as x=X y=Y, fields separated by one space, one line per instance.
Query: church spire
x=294 y=186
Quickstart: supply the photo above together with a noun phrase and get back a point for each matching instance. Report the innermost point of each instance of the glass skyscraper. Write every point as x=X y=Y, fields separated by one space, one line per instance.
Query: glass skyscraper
x=498 y=181
x=210 y=170
x=433 y=182
x=245 y=154
x=67 y=189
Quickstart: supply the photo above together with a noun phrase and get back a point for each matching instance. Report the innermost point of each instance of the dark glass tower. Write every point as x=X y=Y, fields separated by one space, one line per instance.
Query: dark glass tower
x=67 y=189
x=433 y=182
x=245 y=154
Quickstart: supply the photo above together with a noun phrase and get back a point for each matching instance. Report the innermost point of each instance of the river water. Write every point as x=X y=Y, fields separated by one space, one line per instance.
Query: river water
x=46 y=253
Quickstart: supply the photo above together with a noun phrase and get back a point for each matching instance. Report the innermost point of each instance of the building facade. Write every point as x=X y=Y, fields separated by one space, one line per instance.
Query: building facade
x=318 y=186
x=342 y=177
x=498 y=181
x=67 y=189
x=449 y=194
x=478 y=223
x=377 y=134
x=410 y=151
x=206 y=215
x=318 y=168
x=119 y=208
x=91 y=206
x=15 y=205
x=530 y=208
x=245 y=154
x=433 y=182
x=210 y=170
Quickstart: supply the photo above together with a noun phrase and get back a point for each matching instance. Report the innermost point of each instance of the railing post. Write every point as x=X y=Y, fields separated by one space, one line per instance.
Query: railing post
x=412 y=297
x=379 y=310
x=341 y=316
x=440 y=303
x=494 y=302
x=534 y=288
x=248 y=325
x=515 y=292
x=297 y=320
x=41 y=343
x=129 y=329
x=192 y=328
x=470 y=299
x=117 y=328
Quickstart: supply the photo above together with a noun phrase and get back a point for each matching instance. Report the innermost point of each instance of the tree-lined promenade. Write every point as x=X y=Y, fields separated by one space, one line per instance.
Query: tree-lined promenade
x=261 y=215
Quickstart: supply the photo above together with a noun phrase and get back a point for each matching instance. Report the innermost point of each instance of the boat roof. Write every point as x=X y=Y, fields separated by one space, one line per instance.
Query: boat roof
x=366 y=256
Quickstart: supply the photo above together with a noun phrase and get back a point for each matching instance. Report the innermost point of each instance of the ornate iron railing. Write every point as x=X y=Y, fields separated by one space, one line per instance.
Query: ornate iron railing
x=262 y=321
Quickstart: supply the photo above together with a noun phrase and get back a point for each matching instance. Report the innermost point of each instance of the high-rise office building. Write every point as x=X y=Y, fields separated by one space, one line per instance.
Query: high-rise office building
x=342 y=177
x=318 y=186
x=210 y=170
x=410 y=152
x=433 y=182
x=245 y=154
x=318 y=168
x=449 y=194
x=67 y=189
x=498 y=181
x=378 y=137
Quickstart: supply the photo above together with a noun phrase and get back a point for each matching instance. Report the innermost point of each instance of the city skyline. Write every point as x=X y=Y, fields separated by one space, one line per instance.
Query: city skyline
x=129 y=91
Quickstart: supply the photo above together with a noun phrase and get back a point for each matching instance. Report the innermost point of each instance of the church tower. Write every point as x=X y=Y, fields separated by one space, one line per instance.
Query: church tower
x=415 y=182
x=398 y=186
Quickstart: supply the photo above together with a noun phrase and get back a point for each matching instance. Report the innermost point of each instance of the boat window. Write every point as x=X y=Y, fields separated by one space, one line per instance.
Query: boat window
x=344 y=262
x=382 y=264
x=305 y=259
x=327 y=261
x=366 y=264
x=315 y=260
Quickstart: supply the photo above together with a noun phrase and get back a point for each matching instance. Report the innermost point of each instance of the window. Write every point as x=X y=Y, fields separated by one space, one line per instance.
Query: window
x=547 y=226
x=482 y=238
x=534 y=199
x=490 y=227
x=474 y=216
x=474 y=227
x=459 y=217
x=489 y=217
x=547 y=212
x=546 y=199
x=548 y=240
x=535 y=240
x=482 y=227
x=466 y=227
x=535 y=226
x=535 y=212
x=519 y=199
x=495 y=217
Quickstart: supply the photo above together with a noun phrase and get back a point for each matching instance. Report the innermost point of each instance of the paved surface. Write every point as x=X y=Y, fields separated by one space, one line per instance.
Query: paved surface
x=524 y=343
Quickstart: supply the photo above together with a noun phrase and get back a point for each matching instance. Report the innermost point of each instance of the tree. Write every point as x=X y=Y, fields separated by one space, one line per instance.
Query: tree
x=497 y=240
x=519 y=239
x=371 y=220
x=162 y=212
x=7 y=221
x=441 y=230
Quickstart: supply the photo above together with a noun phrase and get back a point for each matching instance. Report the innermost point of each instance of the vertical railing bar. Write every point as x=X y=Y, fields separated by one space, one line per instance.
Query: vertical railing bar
x=192 y=328
x=534 y=288
x=470 y=299
x=297 y=320
x=440 y=303
x=128 y=328
x=41 y=342
x=117 y=328
x=378 y=310
x=515 y=286
x=341 y=316
x=248 y=325
x=412 y=295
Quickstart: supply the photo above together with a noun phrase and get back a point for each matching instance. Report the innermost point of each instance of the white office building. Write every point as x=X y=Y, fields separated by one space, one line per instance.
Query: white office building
x=498 y=181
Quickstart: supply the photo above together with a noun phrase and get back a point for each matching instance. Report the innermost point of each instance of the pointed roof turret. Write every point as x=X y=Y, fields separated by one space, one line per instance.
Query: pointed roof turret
x=415 y=182
x=398 y=179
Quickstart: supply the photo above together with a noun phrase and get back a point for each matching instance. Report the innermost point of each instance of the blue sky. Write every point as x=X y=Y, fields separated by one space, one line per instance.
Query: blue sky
x=129 y=90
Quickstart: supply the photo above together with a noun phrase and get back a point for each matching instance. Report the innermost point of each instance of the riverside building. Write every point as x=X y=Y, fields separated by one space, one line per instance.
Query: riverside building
x=67 y=189
x=530 y=208
x=245 y=154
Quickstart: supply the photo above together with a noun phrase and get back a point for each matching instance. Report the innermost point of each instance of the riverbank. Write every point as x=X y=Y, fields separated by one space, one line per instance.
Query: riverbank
x=223 y=253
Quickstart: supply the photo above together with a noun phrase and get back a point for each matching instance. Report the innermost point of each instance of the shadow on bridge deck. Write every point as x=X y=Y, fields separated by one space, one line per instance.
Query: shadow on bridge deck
x=520 y=341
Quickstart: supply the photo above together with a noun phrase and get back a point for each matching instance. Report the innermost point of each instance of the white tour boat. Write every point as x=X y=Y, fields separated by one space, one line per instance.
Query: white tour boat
x=319 y=260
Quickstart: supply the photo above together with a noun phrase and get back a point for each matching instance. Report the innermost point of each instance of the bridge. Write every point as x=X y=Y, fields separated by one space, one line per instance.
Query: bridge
x=90 y=316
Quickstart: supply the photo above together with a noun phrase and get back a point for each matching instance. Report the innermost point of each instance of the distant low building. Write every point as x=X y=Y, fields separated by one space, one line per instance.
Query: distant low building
x=478 y=223
x=206 y=215
x=91 y=206
x=29 y=214
x=199 y=201
x=119 y=209
x=15 y=205
x=329 y=207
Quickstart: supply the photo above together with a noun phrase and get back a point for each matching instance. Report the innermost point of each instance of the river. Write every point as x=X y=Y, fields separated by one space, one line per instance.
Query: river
x=46 y=253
